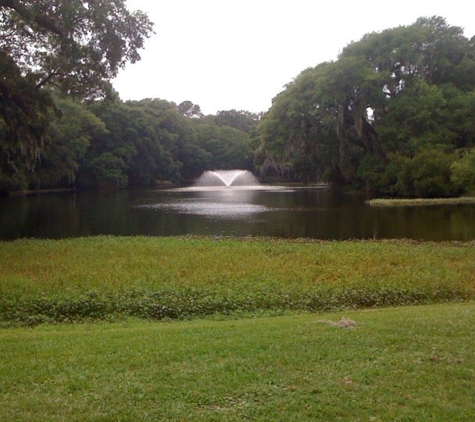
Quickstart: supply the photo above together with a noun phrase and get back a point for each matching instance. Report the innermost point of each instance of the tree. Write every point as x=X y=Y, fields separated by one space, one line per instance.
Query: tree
x=146 y=141
x=188 y=109
x=77 y=46
x=111 y=152
x=68 y=139
x=242 y=120
x=426 y=174
x=226 y=147
x=372 y=116
x=463 y=171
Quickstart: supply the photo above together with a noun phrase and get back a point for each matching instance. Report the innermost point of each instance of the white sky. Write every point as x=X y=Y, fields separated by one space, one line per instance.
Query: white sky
x=239 y=54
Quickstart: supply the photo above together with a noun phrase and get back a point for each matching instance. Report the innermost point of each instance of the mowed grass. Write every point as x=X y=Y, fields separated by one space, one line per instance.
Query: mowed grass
x=407 y=364
x=109 y=278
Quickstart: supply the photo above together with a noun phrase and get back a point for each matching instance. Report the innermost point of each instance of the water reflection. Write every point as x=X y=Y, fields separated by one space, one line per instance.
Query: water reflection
x=235 y=202
x=210 y=209
x=261 y=211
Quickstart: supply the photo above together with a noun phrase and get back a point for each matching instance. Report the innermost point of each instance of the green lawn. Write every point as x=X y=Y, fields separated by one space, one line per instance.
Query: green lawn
x=243 y=334
x=413 y=363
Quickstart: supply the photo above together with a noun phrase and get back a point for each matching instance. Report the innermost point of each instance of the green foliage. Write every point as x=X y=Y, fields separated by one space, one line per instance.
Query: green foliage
x=387 y=114
x=432 y=174
x=109 y=170
x=244 y=121
x=75 y=46
x=139 y=146
x=226 y=147
x=188 y=109
x=149 y=140
x=69 y=138
x=393 y=114
x=107 y=278
x=374 y=173
x=415 y=119
x=463 y=172
x=112 y=143
x=426 y=175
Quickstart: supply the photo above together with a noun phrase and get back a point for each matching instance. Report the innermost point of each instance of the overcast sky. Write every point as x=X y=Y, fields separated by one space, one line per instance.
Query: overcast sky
x=239 y=54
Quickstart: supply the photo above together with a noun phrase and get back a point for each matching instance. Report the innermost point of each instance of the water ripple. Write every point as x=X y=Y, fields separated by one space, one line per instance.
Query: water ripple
x=211 y=209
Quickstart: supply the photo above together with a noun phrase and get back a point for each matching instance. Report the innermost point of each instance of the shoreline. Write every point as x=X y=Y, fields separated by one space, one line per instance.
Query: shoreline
x=397 y=202
x=40 y=191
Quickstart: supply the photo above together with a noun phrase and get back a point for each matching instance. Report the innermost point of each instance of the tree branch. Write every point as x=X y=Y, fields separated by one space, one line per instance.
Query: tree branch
x=16 y=99
x=28 y=16
x=47 y=79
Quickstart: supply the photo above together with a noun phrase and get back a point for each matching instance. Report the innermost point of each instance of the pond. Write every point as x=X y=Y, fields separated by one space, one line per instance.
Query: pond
x=278 y=211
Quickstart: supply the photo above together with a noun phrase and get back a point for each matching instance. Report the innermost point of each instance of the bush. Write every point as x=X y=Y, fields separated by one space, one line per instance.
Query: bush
x=463 y=172
x=426 y=175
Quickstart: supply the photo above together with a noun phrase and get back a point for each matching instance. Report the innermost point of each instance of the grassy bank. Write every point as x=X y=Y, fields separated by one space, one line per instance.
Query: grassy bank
x=109 y=278
x=420 y=202
x=412 y=364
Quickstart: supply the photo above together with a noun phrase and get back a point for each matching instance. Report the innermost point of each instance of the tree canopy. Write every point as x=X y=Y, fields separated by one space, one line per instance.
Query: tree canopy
x=72 y=46
x=391 y=114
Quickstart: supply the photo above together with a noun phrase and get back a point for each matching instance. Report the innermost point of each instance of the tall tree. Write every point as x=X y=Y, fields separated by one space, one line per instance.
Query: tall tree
x=373 y=115
x=188 y=109
x=76 y=46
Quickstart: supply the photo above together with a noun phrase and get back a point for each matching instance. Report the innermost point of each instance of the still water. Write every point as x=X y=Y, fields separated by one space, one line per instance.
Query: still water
x=255 y=211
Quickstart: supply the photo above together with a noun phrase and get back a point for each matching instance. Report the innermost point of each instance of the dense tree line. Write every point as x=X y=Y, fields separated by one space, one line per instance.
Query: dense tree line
x=135 y=143
x=151 y=140
x=394 y=114
x=61 y=123
x=67 y=47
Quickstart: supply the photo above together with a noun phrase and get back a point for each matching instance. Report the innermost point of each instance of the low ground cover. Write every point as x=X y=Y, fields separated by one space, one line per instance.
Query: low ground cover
x=411 y=363
x=109 y=278
x=380 y=202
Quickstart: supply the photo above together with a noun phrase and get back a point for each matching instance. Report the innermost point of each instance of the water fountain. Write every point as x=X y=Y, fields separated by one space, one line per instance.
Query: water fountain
x=223 y=194
x=227 y=178
x=219 y=194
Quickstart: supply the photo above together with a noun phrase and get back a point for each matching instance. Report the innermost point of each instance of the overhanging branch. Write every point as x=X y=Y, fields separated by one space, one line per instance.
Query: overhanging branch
x=28 y=16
